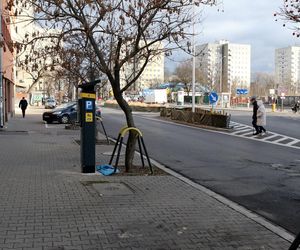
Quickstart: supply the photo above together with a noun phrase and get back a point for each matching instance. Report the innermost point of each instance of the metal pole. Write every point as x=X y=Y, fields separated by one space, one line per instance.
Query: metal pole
x=295 y=243
x=141 y=151
x=194 y=62
x=114 y=151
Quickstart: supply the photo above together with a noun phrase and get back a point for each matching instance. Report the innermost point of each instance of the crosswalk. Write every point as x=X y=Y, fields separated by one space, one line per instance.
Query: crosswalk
x=246 y=131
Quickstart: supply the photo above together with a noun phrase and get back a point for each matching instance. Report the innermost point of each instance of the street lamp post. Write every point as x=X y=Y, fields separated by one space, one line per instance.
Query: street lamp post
x=194 y=62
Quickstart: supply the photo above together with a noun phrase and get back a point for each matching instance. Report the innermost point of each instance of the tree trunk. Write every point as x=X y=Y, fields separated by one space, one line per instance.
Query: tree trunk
x=130 y=147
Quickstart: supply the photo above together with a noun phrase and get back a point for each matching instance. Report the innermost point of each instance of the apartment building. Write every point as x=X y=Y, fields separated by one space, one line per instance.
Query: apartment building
x=224 y=66
x=20 y=28
x=287 y=70
x=36 y=84
x=152 y=75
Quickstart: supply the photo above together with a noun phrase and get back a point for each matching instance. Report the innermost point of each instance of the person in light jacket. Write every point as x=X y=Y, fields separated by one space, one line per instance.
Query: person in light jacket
x=261 y=117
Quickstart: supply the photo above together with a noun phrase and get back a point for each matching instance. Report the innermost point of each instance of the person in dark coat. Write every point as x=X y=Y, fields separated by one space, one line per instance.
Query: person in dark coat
x=254 y=115
x=23 y=105
x=296 y=107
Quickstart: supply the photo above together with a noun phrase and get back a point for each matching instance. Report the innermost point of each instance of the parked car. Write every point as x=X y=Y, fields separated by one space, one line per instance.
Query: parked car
x=98 y=111
x=65 y=113
x=50 y=104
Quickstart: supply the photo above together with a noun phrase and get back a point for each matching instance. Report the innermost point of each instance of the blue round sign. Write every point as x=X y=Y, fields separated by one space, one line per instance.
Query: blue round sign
x=213 y=97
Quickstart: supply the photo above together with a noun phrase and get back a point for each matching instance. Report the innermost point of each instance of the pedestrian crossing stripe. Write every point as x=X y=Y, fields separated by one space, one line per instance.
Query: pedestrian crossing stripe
x=246 y=131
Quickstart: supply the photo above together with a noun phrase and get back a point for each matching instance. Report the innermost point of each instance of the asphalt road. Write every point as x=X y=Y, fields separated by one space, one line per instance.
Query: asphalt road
x=262 y=177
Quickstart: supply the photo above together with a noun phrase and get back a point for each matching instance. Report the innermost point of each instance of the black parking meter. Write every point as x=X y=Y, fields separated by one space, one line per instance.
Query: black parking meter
x=86 y=105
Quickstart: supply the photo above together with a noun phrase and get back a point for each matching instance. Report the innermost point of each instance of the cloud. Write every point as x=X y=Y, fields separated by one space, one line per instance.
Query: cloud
x=247 y=22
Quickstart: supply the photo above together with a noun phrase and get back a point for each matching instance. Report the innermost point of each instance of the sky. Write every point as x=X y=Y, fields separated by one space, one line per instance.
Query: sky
x=246 y=22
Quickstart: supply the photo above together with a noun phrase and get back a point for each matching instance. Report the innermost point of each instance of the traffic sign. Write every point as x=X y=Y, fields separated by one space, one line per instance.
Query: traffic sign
x=213 y=97
x=282 y=90
x=272 y=91
x=242 y=91
x=89 y=105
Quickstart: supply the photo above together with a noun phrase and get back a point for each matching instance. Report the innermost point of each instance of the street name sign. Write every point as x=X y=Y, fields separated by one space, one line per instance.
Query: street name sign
x=242 y=91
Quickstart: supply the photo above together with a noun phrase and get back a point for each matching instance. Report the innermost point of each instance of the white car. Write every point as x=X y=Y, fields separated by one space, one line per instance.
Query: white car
x=50 y=104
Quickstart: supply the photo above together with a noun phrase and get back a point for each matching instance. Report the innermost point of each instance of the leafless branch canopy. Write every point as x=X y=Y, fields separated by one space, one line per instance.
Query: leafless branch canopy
x=290 y=14
x=116 y=30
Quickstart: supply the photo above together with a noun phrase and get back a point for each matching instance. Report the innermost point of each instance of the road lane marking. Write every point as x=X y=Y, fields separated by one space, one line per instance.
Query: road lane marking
x=239 y=127
x=281 y=139
x=269 y=137
x=242 y=131
x=293 y=142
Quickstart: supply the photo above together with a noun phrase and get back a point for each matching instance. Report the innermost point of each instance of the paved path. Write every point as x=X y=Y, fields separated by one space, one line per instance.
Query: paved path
x=46 y=203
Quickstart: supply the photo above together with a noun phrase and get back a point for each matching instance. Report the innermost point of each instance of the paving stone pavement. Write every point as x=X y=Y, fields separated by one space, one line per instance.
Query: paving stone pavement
x=46 y=203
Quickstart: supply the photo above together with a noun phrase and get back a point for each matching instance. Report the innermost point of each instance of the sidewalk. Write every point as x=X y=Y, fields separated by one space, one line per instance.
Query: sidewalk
x=46 y=203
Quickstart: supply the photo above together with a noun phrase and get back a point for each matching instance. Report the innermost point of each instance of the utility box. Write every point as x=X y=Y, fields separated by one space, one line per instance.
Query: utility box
x=156 y=96
x=86 y=105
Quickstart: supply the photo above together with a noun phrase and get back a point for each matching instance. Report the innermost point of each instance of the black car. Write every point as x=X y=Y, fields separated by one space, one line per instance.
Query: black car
x=65 y=113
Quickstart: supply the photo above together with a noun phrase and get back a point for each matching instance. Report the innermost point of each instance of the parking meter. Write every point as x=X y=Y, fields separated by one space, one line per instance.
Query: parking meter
x=86 y=105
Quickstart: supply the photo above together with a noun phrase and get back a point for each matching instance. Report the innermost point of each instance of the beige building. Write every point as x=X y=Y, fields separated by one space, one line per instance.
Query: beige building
x=28 y=80
x=153 y=73
x=287 y=70
x=19 y=30
x=224 y=66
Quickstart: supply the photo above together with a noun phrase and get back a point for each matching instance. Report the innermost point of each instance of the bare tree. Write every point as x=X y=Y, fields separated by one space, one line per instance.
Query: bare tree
x=289 y=13
x=119 y=31
x=39 y=65
x=262 y=84
x=184 y=74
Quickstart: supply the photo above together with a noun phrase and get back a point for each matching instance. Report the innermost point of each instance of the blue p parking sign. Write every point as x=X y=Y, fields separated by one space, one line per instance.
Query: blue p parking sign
x=88 y=105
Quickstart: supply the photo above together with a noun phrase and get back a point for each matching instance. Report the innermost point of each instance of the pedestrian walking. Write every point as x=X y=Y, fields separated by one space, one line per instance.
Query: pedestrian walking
x=261 y=117
x=254 y=115
x=23 y=105
x=296 y=107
